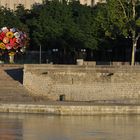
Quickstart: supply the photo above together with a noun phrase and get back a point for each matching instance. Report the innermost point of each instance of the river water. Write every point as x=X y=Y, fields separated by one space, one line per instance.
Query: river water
x=44 y=127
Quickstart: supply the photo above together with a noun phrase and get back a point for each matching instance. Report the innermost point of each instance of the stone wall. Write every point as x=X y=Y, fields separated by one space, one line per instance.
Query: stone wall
x=12 y=4
x=84 y=83
x=71 y=109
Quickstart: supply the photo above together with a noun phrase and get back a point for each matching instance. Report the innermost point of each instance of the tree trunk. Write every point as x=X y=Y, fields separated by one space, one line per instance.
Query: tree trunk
x=133 y=52
x=134 y=39
x=134 y=45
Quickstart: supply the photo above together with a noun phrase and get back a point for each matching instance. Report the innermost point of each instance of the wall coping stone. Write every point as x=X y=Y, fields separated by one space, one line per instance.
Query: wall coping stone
x=71 y=109
x=129 y=69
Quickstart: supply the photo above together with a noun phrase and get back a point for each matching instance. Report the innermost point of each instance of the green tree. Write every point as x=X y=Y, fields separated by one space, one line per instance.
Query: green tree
x=70 y=25
x=84 y=18
x=102 y=26
x=45 y=25
x=22 y=14
x=8 y=18
x=123 y=21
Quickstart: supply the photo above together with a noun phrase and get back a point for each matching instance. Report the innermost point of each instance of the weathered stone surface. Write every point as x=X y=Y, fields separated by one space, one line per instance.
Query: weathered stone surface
x=84 y=83
x=70 y=109
x=11 y=90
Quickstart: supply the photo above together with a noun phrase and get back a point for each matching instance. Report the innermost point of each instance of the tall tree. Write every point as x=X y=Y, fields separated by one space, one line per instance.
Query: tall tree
x=9 y=18
x=135 y=35
x=124 y=21
x=68 y=25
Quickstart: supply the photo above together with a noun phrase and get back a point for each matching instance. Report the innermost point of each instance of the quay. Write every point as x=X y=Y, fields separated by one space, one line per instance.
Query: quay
x=16 y=98
x=70 y=109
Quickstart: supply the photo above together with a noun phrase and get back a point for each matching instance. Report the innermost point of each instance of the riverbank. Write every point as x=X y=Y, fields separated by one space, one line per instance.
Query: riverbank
x=59 y=109
x=83 y=83
x=14 y=98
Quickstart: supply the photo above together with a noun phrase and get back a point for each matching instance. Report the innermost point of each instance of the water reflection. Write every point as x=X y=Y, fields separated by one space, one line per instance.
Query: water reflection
x=43 y=127
x=10 y=128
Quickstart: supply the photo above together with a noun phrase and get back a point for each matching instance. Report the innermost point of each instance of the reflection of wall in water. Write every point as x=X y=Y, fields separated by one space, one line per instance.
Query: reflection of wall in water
x=44 y=127
x=81 y=127
x=51 y=126
x=10 y=129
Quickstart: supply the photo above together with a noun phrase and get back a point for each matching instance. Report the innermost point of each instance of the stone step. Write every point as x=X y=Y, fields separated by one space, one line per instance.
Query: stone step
x=17 y=99
x=12 y=90
x=7 y=85
x=3 y=85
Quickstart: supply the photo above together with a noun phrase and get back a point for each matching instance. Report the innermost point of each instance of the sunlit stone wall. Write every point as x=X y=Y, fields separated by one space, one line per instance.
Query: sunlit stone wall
x=84 y=83
x=12 y=4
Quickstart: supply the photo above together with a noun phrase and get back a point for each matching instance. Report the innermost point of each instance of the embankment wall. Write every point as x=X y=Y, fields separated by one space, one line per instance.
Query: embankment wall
x=70 y=109
x=84 y=83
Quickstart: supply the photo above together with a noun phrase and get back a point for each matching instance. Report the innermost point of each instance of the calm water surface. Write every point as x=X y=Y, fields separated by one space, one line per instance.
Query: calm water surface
x=44 y=127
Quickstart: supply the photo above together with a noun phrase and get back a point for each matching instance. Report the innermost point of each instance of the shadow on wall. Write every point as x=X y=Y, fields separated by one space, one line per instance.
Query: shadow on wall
x=16 y=74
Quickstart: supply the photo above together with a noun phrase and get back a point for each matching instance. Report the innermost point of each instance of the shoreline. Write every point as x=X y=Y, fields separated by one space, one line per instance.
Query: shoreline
x=17 y=99
x=85 y=110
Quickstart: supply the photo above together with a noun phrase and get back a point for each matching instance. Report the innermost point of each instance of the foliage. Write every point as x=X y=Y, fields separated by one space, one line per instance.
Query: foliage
x=63 y=25
x=70 y=26
x=9 y=19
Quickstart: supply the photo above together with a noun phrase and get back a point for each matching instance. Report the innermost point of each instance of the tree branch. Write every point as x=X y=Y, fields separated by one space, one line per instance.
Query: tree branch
x=123 y=8
x=137 y=37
